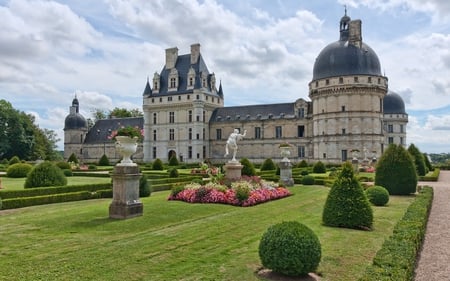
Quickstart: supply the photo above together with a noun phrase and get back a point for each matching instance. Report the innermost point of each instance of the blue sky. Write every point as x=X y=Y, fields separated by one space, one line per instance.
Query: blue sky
x=263 y=51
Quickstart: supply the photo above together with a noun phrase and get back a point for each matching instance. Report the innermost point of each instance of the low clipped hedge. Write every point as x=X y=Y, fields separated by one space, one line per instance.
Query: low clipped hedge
x=434 y=176
x=9 y=194
x=396 y=260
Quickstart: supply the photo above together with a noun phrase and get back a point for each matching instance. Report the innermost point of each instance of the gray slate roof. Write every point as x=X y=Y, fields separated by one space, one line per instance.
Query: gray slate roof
x=102 y=129
x=253 y=112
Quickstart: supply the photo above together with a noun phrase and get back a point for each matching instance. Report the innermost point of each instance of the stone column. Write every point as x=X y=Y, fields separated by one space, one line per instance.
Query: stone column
x=233 y=170
x=126 y=203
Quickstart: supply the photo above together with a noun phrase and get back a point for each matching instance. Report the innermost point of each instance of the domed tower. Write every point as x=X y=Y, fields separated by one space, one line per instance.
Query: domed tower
x=75 y=130
x=347 y=92
x=395 y=119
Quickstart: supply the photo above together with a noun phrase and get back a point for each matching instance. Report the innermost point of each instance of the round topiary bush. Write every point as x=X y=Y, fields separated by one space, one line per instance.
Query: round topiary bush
x=173 y=161
x=68 y=172
x=173 y=173
x=319 y=168
x=290 y=248
x=63 y=165
x=377 y=195
x=18 y=170
x=45 y=174
x=308 y=180
x=144 y=187
x=304 y=172
x=248 y=169
x=347 y=204
x=158 y=165
x=268 y=165
x=302 y=164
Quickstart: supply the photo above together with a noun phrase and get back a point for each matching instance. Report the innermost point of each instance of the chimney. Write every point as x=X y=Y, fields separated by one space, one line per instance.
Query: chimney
x=355 y=37
x=195 y=53
x=171 y=57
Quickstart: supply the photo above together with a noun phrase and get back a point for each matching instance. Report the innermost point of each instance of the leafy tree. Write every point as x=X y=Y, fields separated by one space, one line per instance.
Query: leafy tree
x=123 y=113
x=248 y=169
x=418 y=159
x=347 y=205
x=396 y=171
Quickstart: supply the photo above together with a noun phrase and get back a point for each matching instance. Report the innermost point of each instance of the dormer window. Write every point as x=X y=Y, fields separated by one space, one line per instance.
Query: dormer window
x=173 y=80
x=191 y=78
x=156 y=81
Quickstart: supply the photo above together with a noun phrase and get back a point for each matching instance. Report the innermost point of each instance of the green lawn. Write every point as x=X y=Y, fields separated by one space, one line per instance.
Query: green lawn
x=17 y=183
x=176 y=240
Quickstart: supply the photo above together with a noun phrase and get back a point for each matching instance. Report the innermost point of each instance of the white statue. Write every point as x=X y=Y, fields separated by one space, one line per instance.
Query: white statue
x=232 y=143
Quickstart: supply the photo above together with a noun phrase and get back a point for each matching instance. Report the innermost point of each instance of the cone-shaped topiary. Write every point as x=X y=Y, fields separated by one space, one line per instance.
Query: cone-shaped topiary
x=173 y=161
x=268 y=165
x=396 y=171
x=158 y=165
x=347 y=204
x=144 y=187
x=248 y=169
x=302 y=164
x=72 y=158
x=290 y=248
x=377 y=195
x=104 y=161
x=427 y=162
x=45 y=174
x=319 y=168
x=418 y=159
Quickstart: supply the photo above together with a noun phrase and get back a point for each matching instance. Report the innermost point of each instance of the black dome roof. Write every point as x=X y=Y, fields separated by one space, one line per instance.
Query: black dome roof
x=75 y=121
x=343 y=58
x=393 y=104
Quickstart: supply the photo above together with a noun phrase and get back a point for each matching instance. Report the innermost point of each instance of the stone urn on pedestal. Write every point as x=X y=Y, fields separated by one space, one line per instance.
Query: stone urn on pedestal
x=126 y=175
x=286 y=166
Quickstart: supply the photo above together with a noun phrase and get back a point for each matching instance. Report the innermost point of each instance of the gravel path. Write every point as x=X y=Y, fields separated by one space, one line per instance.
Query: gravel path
x=434 y=260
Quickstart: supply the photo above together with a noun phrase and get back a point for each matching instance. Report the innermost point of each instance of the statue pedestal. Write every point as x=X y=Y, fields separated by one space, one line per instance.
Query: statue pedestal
x=233 y=170
x=286 y=173
x=126 y=203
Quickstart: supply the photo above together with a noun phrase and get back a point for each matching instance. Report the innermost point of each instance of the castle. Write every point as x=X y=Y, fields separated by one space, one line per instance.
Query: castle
x=350 y=109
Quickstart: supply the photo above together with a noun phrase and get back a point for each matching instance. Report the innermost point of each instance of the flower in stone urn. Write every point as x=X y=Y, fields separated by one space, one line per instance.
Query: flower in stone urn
x=126 y=142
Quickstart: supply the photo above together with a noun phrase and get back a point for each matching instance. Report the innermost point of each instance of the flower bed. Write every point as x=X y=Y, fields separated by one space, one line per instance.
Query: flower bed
x=246 y=192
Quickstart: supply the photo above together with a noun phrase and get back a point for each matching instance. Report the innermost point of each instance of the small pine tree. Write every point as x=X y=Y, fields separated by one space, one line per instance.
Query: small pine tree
x=173 y=161
x=347 y=205
x=319 y=168
x=158 y=165
x=396 y=171
x=418 y=159
x=104 y=161
x=73 y=158
x=268 y=165
x=248 y=169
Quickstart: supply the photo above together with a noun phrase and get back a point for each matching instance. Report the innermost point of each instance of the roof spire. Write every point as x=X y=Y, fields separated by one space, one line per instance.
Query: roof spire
x=345 y=10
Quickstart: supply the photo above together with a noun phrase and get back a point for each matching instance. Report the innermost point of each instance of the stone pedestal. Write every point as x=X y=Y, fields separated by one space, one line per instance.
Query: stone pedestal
x=355 y=164
x=233 y=170
x=126 y=203
x=286 y=173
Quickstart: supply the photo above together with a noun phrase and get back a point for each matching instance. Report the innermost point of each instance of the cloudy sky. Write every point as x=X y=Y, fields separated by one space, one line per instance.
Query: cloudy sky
x=263 y=51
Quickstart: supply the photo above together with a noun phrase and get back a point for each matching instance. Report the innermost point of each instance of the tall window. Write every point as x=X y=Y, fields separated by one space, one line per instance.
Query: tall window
x=154 y=135
x=154 y=118
x=301 y=151
x=204 y=116
x=278 y=132
x=191 y=81
x=171 y=134
x=190 y=152
x=257 y=132
x=173 y=82
x=154 y=152
x=190 y=116
x=344 y=155
x=219 y=134
x=301 y=112
x=401 y=141
x=204 y=152
x=402 y=129
x=390 y=140
x=171 y=117
x=190 y=133
x=343 y=108
x=203 y=134
x=390 y=128
x=301 y=131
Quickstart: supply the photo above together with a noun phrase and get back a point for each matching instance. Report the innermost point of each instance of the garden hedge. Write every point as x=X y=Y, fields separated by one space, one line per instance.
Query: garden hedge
x=396 y=260
x=8 y=194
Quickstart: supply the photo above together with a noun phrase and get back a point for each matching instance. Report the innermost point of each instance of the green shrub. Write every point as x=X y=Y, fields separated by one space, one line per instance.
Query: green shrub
x=173 y=173
x=73 y=158
x=4 y=161
x=419 y=161
x=92 y=167
x=304 y=172
x=104 y=161
x=173 y=161
x=158 y=165
x=242 y=193
x=14 y=160
x=396 y=171
x=302 y=164
x=290 y=248
x=268 y=165
x=176 y=189
x=144 y=187
x=319 y=168
x=45 y=174
x=18 y=170
x=68 y=172
x=63 y=165
x=248 y=169
x=377 y=195
x=347 y=205
x=308 y=180
x=0 y=203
